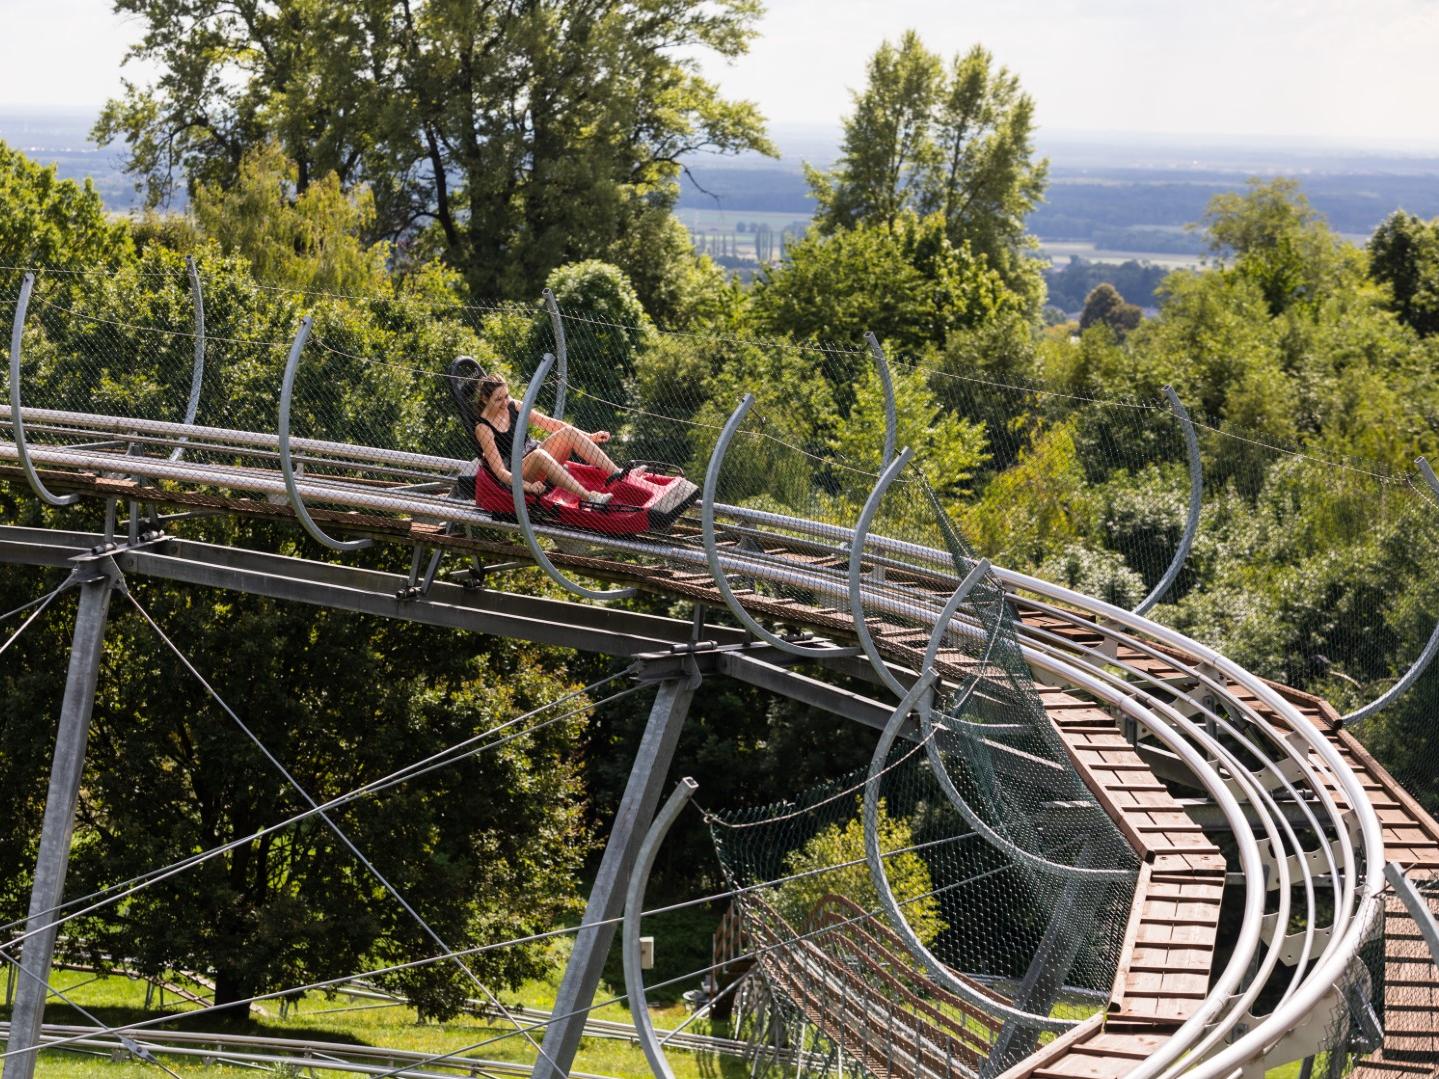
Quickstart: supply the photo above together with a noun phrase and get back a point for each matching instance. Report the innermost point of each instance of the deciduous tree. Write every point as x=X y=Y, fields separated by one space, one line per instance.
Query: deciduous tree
x=511 y=137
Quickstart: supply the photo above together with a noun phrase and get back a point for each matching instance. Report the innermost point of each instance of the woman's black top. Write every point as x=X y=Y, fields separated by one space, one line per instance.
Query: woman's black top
x=505 y=440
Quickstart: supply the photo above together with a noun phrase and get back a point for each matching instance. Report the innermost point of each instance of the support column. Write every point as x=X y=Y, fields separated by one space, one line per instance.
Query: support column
x=46 y=893
x=607 y=897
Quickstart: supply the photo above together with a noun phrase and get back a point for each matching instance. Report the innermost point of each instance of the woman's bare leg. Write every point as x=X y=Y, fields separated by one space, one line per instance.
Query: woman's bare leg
x=572 y=441
x=540 y=464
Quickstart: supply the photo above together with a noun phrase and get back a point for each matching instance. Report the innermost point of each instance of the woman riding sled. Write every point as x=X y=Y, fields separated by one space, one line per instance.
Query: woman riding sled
x=495 y=433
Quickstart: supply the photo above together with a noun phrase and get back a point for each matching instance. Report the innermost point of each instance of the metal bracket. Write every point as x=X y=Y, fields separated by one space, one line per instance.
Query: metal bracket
x=707 y=532
x=886 y=383
x=197 y=376
x=1431 y=647
x=557 y=322
x=419 y=584
x=634 y=907
x=856 y=562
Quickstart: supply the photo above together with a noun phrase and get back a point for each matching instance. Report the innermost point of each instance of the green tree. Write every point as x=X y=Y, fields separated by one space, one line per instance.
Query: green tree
x=842 y=845
x=310 y=239
x=1404 y=254
x=907 y=283
x=1276 y=239
x=511 y=138
x=948 y=450
x=1104 y=306
x=888 y=151
x=605 y=337
x=46 y=221
x=956 y=142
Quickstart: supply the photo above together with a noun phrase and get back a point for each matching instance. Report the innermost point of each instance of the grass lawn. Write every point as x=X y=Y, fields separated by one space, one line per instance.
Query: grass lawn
x=358 y=1021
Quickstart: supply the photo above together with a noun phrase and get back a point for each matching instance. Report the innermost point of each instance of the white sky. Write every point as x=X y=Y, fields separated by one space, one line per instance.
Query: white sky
x=1322 y=69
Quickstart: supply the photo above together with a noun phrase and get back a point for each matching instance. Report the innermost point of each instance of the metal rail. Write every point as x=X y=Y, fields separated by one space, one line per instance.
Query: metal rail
x=17 y=423
x=197 y=375
x=1196 y=498
x=634 y=906
x=886 y=385
x=716 y=566
x=287 y=466
x=562 y=352
x=1426 y=656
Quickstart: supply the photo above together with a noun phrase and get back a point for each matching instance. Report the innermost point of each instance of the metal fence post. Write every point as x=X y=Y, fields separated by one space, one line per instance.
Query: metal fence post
x=53 y=859
x=607 y=897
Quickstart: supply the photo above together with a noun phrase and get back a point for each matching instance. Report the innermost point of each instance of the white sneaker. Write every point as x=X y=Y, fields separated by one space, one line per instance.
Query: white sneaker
x=598 y=498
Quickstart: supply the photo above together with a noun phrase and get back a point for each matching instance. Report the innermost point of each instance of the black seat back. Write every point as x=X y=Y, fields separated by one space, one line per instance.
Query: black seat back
x=463 y=375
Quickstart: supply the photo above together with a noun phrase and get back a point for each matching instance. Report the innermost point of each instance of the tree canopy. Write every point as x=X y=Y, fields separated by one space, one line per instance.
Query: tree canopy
x=956 y=141
x=509 y=137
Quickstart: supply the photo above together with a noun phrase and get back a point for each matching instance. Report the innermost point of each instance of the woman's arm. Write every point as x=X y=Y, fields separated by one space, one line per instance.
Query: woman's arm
x=546 y=423
x=486 y=438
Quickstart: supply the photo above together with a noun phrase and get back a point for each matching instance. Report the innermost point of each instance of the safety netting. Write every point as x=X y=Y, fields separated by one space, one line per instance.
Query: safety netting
x=1304 y=566
x=945 y=910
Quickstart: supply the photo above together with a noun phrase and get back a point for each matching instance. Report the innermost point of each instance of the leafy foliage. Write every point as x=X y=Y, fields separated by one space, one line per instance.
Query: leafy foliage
x=955 y=142
x=510 y=138
x=843 y=846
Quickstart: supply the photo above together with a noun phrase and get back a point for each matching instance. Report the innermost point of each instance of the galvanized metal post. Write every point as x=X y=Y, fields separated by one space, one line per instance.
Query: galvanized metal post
x=47 y=891
x=607 y=897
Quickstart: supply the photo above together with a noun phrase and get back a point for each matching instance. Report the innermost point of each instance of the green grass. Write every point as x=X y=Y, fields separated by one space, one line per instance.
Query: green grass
x=117 y=999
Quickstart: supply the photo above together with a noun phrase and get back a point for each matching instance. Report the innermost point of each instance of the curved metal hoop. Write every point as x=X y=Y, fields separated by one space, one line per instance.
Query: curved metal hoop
x=634 y=907
x=886 y=383
x=517 y=490
x=287 y=467
x=707 y=533
x=562 y=352
x=856 y=560
x=17 y=425
x=874 y=858
x=197 y=376
x=1426 y=657
x=1196 y=495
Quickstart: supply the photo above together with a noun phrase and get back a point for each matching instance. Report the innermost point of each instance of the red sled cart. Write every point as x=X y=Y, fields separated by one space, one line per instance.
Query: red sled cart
x=647 y=503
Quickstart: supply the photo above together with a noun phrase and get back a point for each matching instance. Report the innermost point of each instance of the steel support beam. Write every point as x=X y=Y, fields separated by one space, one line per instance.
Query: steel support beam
x=607 y=897
x=53 y=859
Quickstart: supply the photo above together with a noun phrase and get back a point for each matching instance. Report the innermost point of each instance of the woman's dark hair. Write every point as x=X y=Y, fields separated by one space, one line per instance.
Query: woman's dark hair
x=486 y=389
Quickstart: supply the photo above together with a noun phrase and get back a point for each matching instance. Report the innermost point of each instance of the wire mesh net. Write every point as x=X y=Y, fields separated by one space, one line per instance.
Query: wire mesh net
x=1011 y=887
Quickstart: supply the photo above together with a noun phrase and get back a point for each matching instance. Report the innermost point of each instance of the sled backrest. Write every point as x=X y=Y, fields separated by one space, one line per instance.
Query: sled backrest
x=463 y=375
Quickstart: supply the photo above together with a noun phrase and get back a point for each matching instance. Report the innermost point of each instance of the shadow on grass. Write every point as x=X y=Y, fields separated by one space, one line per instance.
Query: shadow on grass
x=62 y=1014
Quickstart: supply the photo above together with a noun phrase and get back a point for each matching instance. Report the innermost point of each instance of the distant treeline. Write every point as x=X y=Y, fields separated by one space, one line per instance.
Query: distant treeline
x=1069 y=284
x=1140 y=210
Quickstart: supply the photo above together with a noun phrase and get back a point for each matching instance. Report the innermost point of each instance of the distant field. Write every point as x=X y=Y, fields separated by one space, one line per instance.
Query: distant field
x=719 y=233
x=727 y=221
x=1059 y=252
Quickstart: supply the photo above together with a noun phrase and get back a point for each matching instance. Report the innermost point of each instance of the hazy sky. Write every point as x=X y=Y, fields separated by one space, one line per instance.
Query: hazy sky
x=1306 y=68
